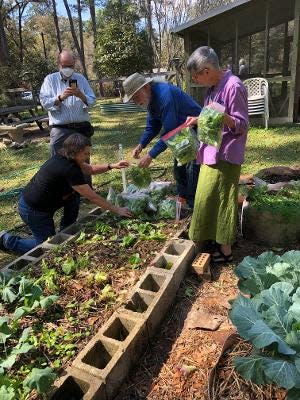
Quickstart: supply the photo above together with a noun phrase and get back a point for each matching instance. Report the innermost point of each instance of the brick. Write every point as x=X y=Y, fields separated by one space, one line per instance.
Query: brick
x=201 y=266
x=113 y=350
x=78 y=385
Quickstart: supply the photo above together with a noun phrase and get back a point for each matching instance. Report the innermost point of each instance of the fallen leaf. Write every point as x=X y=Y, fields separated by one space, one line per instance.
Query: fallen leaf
x=203 y=320
x=76 y=285
x=218 y=301
x=186 y=370
x=221 y=336
x=92 y=320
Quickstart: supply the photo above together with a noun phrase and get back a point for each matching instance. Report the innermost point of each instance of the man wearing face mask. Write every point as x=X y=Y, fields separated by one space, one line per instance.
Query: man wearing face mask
x=67 y=96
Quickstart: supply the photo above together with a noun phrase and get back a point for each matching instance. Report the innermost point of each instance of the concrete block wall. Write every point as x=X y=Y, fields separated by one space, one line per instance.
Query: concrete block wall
x=101 y=367
x=67 y=235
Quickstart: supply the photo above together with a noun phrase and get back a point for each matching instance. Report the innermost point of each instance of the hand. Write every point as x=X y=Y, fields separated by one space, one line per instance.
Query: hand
x=67 y=93
x=77 y=92
x=145 y=161
x=120 y=164
x=124 y=212
x=136 y=152
x=191 y=121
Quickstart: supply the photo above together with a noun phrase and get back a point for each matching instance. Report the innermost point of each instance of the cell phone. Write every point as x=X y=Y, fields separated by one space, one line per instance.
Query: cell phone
x=73 y=83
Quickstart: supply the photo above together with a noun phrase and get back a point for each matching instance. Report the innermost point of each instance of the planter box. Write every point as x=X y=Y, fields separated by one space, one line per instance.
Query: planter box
x=269 y=229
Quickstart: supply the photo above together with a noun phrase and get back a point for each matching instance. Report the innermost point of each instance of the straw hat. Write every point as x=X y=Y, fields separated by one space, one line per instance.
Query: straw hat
x=134 y=83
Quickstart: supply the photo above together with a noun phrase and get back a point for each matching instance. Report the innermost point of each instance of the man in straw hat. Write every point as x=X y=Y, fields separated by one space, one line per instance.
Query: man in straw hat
x=168 y=107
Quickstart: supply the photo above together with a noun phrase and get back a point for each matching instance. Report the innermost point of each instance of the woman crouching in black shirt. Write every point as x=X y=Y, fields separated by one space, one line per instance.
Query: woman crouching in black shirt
x=56 y=185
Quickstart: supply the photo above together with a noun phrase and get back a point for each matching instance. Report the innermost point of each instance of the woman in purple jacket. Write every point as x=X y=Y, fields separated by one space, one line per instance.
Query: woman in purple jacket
x=215 y=210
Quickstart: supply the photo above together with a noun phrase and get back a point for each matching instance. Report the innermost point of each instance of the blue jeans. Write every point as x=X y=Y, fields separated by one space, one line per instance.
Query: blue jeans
x=41 y=224
x=186 y=177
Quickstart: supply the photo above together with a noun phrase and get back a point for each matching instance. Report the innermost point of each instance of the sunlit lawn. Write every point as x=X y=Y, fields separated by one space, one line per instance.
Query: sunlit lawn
x=277 y=146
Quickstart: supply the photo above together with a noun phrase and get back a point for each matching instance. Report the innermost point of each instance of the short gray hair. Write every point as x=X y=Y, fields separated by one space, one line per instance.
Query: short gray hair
x=74 y=144
x=201 y=58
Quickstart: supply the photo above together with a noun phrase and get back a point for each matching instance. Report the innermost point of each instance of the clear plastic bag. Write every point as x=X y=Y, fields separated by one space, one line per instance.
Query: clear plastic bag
x=159 y=190
x=210 y=124
x=183 y=144
x=111 y=196
x=136 y=202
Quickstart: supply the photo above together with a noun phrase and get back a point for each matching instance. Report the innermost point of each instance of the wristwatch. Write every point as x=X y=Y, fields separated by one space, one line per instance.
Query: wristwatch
x=60 y=99
x=109 y=167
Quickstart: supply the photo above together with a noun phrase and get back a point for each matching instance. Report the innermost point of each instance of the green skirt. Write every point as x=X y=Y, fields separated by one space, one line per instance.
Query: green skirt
x=215 y=210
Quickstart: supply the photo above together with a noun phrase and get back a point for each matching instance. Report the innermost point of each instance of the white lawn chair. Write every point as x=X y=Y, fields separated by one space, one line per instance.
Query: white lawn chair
x=258 y=97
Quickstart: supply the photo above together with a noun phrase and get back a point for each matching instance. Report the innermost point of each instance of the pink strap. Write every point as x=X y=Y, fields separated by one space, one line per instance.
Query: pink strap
x=174 y=131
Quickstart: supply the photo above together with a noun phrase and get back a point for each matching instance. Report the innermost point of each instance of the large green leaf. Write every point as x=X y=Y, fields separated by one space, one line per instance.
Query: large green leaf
x=282 y=372
x=5 y=331
x=39 y=379
x=8 y=362
x=293 y=340
x=261 y=336
x=46 y=302
x=285 y=272
x=278 y=319
x=293 y=258
x=293 y=394
x=252 y=273
x=244 y=315
x=8 y=294
x=251 y=368
x=278 y=294
x=7 y=393
x=21 y=312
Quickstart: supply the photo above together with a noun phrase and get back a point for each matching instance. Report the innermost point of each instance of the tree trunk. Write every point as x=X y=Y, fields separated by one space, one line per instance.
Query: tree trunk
x=93 y=19
x=81 y=34
x=76 y=43
x=58 y=39
x=4 y=54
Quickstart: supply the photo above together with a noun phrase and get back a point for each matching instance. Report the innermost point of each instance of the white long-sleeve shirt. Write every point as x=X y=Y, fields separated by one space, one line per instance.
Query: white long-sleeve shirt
x=72 y=109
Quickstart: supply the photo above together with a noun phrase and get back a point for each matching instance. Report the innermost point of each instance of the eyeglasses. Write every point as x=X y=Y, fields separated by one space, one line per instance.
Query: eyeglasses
x=195 y=74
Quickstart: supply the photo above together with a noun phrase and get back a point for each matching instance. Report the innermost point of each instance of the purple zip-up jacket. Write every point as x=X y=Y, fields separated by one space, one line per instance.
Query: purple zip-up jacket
x=232 y=94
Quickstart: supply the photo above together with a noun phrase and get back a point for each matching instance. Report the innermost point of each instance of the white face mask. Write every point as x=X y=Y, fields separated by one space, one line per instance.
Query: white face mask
x=67 y=72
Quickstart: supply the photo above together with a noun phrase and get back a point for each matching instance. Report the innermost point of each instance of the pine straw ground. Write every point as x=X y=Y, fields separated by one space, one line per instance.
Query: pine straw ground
x=162 y=373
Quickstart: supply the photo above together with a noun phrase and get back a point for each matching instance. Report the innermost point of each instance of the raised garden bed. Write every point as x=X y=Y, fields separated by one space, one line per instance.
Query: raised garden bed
x=91 y=277
x=273 y=217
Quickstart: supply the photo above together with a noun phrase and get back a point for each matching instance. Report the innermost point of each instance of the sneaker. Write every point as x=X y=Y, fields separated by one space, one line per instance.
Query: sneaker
x=2 y=247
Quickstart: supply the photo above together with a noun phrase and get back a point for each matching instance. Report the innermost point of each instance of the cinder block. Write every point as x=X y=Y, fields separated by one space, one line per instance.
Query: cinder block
x=73 y=230
x=201 y=266
x=78 y=385
x=176 y=257
x=39 y=251
x=20 y=263
x=96 y=211
x=59 y=238
x=87 y=219
x=113 y=350
x=157 y=289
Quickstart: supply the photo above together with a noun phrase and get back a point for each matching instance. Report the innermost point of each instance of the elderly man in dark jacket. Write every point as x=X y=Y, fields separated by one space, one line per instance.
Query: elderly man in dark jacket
x=168 y=107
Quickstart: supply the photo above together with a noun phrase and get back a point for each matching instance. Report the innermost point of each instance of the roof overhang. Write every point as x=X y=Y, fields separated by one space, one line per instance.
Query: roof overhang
x=250 y=15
